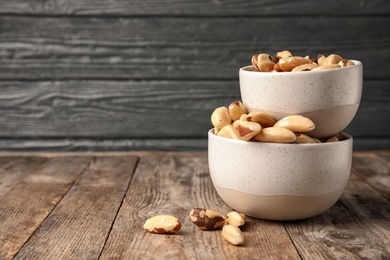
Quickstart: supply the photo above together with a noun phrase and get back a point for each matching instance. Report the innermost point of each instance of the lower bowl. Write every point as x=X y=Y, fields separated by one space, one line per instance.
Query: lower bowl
x=279 y=181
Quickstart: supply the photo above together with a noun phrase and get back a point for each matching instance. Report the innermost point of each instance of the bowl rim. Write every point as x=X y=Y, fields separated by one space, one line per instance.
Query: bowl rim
x=349 y=138
x=358 y=64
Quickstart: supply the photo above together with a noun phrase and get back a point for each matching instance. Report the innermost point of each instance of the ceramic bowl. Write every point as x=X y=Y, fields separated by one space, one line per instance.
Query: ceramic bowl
x=330 y=98
x=279 y=181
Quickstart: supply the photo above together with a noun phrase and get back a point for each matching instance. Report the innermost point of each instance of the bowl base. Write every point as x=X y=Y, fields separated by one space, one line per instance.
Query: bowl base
x=280 y=207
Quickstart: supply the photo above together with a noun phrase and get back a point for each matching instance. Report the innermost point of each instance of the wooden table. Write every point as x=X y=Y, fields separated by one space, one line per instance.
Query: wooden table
x=93 y=205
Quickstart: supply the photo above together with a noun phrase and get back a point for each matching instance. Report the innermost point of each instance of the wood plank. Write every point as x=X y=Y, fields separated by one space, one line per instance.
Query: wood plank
x=384 y=157
x=140 y=109
x=24 y=207
x=15 y=169
x=373 y=115
x=175 y=47
x=384 y=153
x=53 y=154
x=175 y=185
x=356 y=227
x=79 y=225
x=371 y=211
x=375 y=171
x=128 y=145
x=364 y=144
x=102 y=144
x=114 y=109
x=187 y=7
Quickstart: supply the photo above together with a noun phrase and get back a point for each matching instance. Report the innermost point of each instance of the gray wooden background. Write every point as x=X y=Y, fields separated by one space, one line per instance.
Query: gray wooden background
x=146 y=75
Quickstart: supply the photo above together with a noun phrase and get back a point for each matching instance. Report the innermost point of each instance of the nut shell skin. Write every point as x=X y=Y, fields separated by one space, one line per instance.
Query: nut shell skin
x=263 y=62
x=206 y=219
x=283 y=54
x=162 y=224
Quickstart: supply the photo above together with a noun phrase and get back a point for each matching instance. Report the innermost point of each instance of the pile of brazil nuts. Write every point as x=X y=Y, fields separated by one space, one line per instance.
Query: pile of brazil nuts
x=234 y=122
x=204 y=219
x=284 y=61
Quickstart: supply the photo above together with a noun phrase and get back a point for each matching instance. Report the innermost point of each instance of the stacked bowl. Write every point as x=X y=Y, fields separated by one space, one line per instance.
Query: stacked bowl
x=288 y=181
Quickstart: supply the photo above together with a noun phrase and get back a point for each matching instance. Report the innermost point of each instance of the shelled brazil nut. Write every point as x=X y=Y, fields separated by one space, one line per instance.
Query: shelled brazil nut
x=259 y=126
x=162 y=224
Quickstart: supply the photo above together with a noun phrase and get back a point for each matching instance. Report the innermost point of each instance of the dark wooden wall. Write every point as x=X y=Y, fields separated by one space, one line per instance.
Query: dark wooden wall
x=146 y=75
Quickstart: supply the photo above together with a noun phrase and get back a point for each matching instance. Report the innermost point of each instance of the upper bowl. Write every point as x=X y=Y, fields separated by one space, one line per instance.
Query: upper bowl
x=330 y=98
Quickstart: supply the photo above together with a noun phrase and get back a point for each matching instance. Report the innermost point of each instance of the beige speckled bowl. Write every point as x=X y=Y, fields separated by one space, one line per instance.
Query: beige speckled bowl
x=279 y=181
x=330 y=98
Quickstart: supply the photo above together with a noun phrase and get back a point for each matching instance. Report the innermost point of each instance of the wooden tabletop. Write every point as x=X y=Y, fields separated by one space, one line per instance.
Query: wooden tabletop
x=93 y=206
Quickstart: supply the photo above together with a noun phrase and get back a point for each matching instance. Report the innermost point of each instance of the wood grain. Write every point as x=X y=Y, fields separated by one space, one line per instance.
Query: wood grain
x=113 y=109
x=110 y=145
x=35 y=196
x=135 y=145
x=374 y=110
x=178 y=48
x=187 y=7
x=143 y=109
x=175 y=185
x=81 y=206
x=347 y=230
x=375 y=171
x=142 y=75
x=371 y=211
x=85 y=214
x=14 y=169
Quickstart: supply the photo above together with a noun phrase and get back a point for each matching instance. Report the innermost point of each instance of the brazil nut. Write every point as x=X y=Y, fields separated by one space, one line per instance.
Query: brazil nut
x=233 y=235
x=220 y=117
x=162 y=224
x=206 y=219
